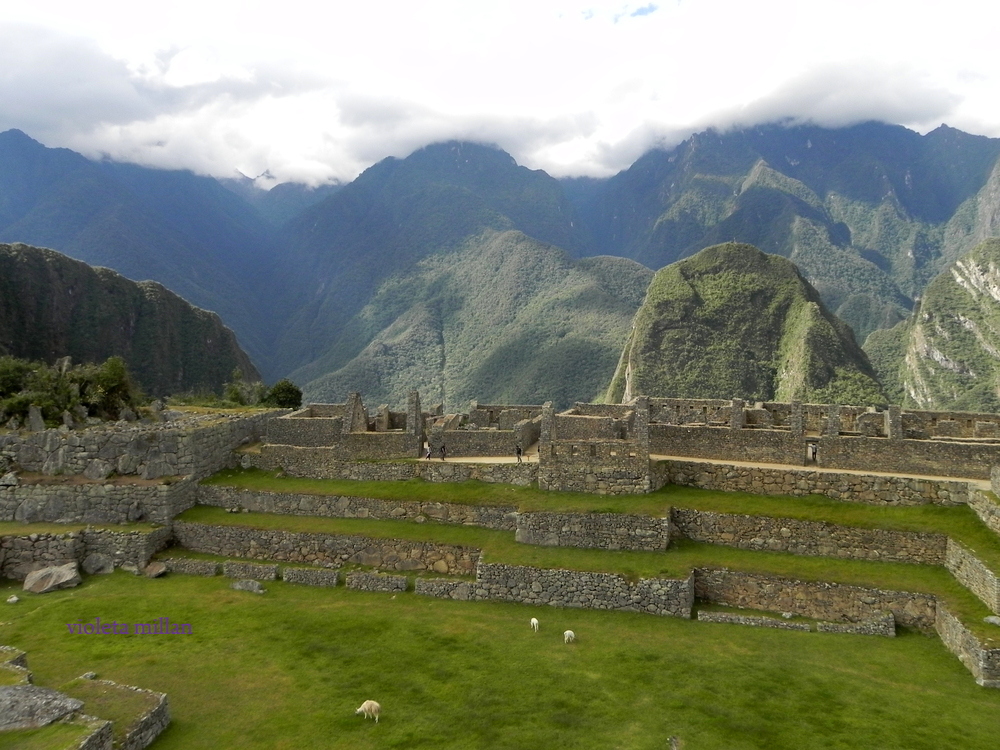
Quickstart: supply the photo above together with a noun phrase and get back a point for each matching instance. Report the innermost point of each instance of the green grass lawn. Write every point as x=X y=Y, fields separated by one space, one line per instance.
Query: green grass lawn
x=57 y=736
x=287 y=670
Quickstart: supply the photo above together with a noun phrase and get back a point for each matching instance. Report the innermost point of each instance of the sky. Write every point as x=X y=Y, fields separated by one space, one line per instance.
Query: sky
x=316 y=92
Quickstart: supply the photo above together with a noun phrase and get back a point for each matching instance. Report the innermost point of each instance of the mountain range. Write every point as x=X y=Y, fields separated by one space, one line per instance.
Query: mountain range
x=394 y=280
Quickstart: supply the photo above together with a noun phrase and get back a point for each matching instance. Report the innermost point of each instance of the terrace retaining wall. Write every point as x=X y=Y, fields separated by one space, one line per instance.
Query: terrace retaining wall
x=972 y=573
x=324 y=463
x=813 y=538
x=22 y=553
x=612 y=531
x=986 y=507
x=96 y=502
x=818 y=600
x=567 y=588
x=499 y=517
x=328 y=550
x=861 y=488
x=984 y=663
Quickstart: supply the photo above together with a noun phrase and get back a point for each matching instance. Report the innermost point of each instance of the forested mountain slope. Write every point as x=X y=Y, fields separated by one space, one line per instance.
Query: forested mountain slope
x=870 y=213
x=500 y=318
x=52 y=306
x=394 y=215
x=733 y=322
x=947 y=354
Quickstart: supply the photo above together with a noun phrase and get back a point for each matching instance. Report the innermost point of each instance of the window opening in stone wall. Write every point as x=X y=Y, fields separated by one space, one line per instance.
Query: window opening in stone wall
x=572 y=450
x=593 y=451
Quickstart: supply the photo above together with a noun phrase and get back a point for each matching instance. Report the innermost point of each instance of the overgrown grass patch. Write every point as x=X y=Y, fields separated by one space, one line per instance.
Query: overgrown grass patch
x=58 y=736
x=287 y=670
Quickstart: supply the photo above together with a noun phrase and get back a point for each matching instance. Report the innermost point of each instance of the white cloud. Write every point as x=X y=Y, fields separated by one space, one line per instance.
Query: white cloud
x=315 y=92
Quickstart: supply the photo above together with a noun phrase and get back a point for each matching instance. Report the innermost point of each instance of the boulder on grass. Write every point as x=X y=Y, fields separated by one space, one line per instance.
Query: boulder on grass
x=30 y=706
x=155 y=570
x=97 y=563
x=248 y=585
x=52 y=578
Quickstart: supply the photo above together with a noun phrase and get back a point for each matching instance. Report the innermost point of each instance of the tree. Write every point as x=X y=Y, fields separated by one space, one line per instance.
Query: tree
x=285 y=394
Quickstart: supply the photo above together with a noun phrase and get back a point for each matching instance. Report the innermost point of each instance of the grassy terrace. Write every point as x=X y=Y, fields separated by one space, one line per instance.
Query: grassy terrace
x=959 y=522
x=287 y=669
x=677 y=562
x=114 y=703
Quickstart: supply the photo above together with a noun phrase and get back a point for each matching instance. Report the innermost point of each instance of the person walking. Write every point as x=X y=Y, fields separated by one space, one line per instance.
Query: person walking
x=443 y=451
x=517 y=450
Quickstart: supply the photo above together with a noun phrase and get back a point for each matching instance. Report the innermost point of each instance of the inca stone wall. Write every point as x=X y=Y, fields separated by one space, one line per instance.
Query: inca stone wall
x=873 y=489
x=102 y=737
x=986 y=507
x=984 y=663
x=330 y=550
x=501 y=518
x=306 y=429
x=254 y=571
x=362 y=581
x=567 y=588
x=762 y=446
x=483 y=441
x=809 y=537
x=974 y=575
x=20 y=554
x=613 y=531
x=324 y=463
x=148 y=726
x=310 y=576
x=444 y=588
x=818 y=600
x=96 y=502
x=884 y=626
x=752 y=620
x=196 y=446
x=188 y=566
x=597 y=467
x=136 y=547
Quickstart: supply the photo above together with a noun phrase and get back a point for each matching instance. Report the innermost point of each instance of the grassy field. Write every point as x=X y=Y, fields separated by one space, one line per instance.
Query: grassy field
x=287 y=670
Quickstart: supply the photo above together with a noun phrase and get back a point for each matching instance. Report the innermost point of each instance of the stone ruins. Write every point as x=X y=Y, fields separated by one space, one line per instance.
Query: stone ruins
x=107 y=475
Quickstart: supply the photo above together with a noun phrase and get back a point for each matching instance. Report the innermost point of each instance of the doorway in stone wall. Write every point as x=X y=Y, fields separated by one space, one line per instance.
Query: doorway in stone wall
x=812 y=450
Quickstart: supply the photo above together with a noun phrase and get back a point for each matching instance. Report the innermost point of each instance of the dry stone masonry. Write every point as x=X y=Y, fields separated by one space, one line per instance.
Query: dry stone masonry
x=328 y=550
x=809 y=537
x=612 y=531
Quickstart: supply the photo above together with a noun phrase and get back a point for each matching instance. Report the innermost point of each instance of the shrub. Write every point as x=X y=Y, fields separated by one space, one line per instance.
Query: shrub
x=284 y=394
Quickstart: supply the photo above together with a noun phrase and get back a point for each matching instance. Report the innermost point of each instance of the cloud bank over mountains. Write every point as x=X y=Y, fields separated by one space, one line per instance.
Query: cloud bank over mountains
x=318 y=94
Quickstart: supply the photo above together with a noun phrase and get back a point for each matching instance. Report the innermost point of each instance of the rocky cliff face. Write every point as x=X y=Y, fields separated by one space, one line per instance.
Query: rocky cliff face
x=733 y=322
x=52 y=306
x=947 y=354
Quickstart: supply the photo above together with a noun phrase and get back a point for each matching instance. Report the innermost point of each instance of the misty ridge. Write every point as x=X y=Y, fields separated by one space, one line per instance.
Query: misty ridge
x=462 y=274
